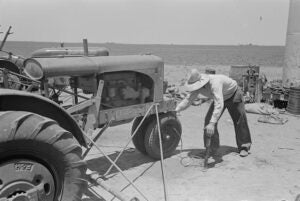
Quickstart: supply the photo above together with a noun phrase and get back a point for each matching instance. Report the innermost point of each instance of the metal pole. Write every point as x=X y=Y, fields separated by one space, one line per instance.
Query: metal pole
x=161 y=154
x=143 y=119
x=5 y=37
x=85 y=47
x=71 y=93
x=115 y=165
x=75 y=91
x=96 y=177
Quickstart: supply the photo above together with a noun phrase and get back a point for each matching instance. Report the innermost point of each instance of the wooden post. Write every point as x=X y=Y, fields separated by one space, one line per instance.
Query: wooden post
x=93 y=111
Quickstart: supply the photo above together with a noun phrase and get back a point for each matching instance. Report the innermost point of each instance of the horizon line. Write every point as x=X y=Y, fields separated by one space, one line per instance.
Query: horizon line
x=120 y=43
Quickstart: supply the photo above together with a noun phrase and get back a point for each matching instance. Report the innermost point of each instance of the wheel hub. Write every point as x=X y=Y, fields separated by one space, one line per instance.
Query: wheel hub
x=167 y=136
x=20 y=197
x=25 y=180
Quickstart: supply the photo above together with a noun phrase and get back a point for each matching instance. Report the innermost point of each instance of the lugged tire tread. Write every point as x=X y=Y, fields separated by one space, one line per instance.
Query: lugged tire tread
x=24 y=129
x=16 y=124
x=42 y=125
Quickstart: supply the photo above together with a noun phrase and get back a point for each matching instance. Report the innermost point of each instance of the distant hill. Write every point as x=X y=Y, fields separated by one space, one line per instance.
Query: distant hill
x=176 y=54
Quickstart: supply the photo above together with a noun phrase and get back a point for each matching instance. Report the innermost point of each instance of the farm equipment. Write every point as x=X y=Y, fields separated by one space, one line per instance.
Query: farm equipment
x=249 y=79
x=12 y=63
x=43 y=133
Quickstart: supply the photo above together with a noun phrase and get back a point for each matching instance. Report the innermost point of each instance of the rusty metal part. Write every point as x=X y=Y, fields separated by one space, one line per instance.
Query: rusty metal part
x=27 y=180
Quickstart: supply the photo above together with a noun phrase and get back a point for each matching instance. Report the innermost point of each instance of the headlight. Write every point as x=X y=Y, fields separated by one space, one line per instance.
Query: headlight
x=33 y=69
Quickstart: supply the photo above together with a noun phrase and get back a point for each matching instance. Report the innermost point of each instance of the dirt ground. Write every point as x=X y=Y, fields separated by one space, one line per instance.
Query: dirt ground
x=270 y=173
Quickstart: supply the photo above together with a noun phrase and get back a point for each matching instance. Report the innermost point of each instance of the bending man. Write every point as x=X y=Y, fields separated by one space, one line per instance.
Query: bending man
x=225 y=94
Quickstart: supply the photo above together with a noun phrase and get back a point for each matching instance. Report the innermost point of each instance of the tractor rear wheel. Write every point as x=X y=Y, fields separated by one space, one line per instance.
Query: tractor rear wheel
x=170 y=133
x=138 y=139
x=39 y=160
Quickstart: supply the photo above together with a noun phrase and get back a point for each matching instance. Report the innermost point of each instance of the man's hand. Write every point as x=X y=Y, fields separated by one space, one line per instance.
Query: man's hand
x=210 y=129
x=177 y=110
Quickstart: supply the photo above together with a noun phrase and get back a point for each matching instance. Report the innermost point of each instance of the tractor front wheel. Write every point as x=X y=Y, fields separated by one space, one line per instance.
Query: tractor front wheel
x=39 y=160
x=138 y=139
x=170 y=128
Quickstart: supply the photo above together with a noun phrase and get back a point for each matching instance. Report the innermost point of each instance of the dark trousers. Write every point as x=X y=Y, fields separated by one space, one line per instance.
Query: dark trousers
x=236 y=109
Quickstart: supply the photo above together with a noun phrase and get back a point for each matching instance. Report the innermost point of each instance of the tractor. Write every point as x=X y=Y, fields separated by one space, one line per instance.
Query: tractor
x=43 y=133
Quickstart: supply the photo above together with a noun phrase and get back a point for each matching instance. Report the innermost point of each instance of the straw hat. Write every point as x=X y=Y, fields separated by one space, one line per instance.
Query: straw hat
x=196 y=80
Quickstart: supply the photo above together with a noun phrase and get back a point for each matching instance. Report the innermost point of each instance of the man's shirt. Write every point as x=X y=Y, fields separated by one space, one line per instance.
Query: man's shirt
x=219 y=88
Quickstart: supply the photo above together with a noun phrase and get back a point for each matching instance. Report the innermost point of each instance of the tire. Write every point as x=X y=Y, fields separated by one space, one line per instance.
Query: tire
x=40 y=141
x=139 y=138
x=171 y=134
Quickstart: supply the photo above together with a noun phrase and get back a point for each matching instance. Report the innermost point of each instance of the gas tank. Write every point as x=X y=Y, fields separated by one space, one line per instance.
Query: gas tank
x=69 y=51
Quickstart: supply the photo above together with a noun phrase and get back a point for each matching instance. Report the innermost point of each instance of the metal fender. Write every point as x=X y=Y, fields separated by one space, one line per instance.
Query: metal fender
x=14 y=100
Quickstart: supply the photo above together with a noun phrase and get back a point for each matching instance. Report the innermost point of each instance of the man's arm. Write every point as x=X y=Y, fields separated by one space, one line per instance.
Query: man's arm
x=218 y=98
x=216 y=90
x=187 y=101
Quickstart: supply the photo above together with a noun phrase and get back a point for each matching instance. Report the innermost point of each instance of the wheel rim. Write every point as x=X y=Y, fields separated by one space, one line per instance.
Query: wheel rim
x=26 y=180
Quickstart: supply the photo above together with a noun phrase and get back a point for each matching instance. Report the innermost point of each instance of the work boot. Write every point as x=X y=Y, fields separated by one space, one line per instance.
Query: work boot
x=211 y=160
x=244 y=150
x=244 y=153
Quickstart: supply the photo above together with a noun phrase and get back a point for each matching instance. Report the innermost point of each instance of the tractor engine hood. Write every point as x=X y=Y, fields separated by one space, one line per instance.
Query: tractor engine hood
x=38 y=68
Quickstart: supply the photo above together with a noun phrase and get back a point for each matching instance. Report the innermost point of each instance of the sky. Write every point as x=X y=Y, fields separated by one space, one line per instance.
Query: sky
x=202 y=22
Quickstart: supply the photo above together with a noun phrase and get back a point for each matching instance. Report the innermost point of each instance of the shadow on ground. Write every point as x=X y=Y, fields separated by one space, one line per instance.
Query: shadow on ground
x=217 y=158
x=130 y=158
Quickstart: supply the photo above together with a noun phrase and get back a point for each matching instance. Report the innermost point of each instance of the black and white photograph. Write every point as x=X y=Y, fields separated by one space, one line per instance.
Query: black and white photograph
x=149 y=100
